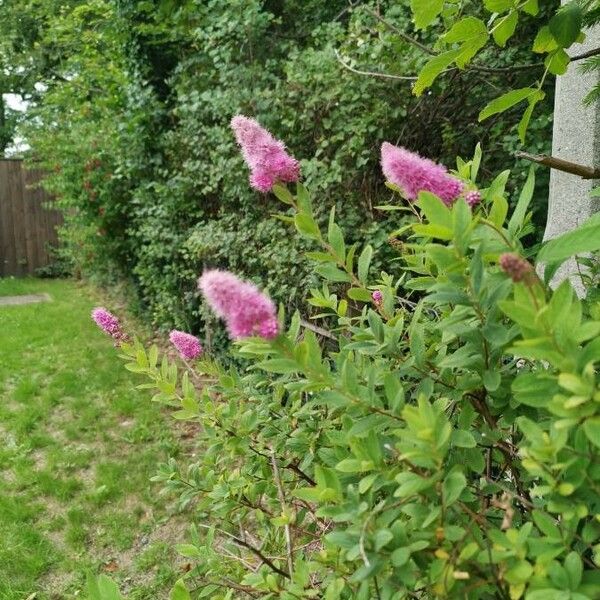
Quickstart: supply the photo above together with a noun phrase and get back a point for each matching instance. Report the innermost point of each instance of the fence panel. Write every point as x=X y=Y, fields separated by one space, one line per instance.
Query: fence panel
x=27 y=225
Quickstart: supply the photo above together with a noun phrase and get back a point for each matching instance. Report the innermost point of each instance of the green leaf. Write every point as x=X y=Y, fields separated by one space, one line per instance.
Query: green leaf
x=463 y=439
x=188 y=550
x=476 y=162
x=505 y=28
x=307 y=226
x=506 y=101
x=364 y=261
x=282 y=193
x=566 y=24
x=544 y=41
x=574 y=569
x=491 y=380
x=524 y=122
x=498 y=6
x=518 y=217
x=432 y=68
x=435 y=211
x=330 y=272
x=520 y=573
x=400 y=556
x=425 y=12
x=546 y=524
x=359 y=294
x=454 y=483
x=591 y=428
x=531 y=7
x=335 y=237
x=279 y=365
x=499 y=211
x=179 y=591
x=102 y=588
x=472 y=34
x=586 y=238
x=534 y=389
x=557 y=62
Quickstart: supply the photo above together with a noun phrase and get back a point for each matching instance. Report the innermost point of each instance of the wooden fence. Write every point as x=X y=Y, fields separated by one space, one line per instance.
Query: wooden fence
x=27 y=226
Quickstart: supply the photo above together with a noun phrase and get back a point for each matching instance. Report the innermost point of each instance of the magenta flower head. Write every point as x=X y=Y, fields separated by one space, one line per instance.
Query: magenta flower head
x=377 y=297
x=473 y=198
x=267 y=158
x=109 y=324
x=244 y=308
x=189 y=346
x=413 y=174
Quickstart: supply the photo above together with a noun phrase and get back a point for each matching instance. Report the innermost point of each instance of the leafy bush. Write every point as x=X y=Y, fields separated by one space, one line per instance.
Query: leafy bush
x=433 y=435
x=142 y=93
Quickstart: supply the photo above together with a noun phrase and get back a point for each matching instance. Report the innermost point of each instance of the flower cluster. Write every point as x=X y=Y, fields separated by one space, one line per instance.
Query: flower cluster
x=516 y=267
x=188 y=345
x=109 y=324
x=413 y=174
x=243 y=307
x=267 y=158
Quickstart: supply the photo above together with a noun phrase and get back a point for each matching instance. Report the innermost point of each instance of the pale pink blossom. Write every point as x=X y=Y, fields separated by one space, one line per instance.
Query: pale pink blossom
x=413 y=174
x=188 y=345
x=266 y=156
x=243 y=307
x=377 y=297
x=109 y=324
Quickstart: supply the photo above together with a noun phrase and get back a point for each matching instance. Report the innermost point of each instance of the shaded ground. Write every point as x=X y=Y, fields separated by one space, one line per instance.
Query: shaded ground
x=78 y=445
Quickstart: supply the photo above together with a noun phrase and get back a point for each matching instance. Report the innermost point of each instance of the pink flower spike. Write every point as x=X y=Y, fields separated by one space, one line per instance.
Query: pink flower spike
x=266 y=156
x=109 y=324
x=377 y=297
x=244 y=308
x=189 y=346
x=413 y=174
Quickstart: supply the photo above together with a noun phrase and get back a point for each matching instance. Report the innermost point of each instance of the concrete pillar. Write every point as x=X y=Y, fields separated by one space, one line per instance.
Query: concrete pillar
x=576 y=138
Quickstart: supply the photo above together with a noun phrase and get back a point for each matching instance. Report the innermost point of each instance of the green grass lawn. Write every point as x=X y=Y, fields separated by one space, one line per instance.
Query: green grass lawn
x=78 y=445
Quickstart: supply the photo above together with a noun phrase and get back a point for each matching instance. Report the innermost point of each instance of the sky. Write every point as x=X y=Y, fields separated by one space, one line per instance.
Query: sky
x=15 y=102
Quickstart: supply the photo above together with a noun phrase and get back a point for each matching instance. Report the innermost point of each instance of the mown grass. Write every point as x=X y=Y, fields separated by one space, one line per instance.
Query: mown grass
x=78 y=444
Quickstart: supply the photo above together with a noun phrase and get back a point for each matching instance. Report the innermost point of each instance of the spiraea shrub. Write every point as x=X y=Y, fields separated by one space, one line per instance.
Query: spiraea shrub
x=432 y=435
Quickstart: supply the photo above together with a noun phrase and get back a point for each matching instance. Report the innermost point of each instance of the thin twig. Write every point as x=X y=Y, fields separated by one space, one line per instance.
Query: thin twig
x=280 y=493
x=372 y=73
x=561 y=165
x=316 y=329
x=587 y=54
x=255 y=551
x=427 y=50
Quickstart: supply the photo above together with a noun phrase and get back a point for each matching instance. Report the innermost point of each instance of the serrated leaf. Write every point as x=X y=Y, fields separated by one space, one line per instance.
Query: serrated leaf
x=566 y=24
x=472 y=34
x=505 y=28
x=425 y=12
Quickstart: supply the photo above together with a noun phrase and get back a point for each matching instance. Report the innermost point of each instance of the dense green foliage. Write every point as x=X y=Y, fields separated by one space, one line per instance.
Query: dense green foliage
x=442 y=442
x=133 y=127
